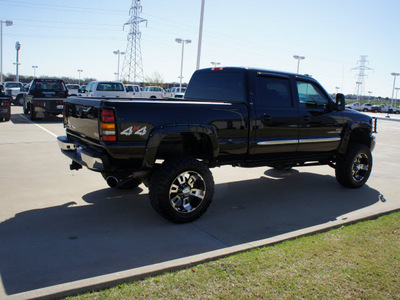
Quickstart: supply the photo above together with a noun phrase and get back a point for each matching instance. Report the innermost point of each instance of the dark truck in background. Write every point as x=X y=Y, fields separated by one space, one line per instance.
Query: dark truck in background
x=229 y=116
x=45 y=98
x=5 y=107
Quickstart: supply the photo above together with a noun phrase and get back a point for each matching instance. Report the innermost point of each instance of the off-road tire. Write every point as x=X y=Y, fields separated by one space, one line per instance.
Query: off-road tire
x=181 y=189
x=354 y=167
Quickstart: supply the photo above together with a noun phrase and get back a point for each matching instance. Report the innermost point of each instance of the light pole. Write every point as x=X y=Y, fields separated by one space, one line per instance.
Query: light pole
x=34 y=71
x=17 y=47
x=8 y=23
x=79 y=72
x=369 y=96
x=200 y=34
x=183 y=42
x=337 y=89
x=358 y=89
x=394 y=84
x=215 y=64
x=299 y=58
x=119 y=53
x=395 y=99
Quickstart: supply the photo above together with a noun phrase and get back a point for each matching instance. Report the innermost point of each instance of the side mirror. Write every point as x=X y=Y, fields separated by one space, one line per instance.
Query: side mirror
x=340 y=102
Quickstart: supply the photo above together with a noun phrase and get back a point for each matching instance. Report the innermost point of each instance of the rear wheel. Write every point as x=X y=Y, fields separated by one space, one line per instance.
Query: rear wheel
x=354 y=167
x=32 y=113
x=182 y=189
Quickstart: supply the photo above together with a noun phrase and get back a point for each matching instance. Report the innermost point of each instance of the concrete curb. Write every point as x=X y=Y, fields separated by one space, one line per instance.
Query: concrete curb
x=113 y=279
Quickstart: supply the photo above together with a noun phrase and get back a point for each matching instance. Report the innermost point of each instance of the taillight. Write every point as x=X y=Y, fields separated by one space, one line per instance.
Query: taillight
x=107 y=125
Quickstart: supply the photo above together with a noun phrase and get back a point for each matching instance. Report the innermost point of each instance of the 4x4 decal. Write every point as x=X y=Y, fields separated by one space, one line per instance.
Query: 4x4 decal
x=135 y=130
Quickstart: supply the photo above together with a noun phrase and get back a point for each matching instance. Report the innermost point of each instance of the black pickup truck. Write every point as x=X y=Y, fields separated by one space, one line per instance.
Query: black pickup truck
x=45 y=97
x=229 y=116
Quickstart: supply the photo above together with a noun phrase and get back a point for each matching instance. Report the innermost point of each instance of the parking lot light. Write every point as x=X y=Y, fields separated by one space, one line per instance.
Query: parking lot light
x=119 y=53
x=80 y=71
x=34 y=71
x=394 y=85
x=8 y=23
x=299 y=58
x=183 y=42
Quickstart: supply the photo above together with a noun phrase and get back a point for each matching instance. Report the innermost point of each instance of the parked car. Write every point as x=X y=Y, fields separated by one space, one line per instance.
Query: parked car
x=73 y=89
x=366 y=107
x=176 y=92
x=45 y=98
x=380 y=108
x=153 y=92
x=82 y=89
x=5 y=107
x=106 y=89
x=355 y=106
x=235 y=116
x=133 y=91
x=15 y=90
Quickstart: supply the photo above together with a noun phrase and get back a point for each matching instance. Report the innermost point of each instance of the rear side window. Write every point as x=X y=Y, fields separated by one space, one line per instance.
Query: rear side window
x=52 y=86
x=110 y=87
x=273 y=91
x=221 y=86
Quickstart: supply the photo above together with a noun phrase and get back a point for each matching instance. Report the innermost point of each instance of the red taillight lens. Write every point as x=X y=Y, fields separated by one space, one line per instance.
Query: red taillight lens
x=107 y=116
x=107 y=126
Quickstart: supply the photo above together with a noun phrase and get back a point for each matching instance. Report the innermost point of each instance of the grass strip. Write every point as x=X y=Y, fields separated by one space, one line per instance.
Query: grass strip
x=359 y=261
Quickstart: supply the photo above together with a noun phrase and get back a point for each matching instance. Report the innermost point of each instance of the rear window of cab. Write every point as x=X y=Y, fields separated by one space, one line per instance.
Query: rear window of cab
x=218 y=85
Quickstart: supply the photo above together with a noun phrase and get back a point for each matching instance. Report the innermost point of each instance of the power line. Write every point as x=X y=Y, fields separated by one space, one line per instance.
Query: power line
x=361 y=76
x=25 y=4
x=132 y=67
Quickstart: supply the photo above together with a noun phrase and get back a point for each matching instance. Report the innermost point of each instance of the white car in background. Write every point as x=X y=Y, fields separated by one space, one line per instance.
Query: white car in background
x=176 y=92
x=73 y=89
x=106 y=89
x=153 y=92
x=133 y=91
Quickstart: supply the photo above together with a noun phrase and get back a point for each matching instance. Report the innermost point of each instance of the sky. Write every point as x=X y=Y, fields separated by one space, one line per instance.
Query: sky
x=61 y=37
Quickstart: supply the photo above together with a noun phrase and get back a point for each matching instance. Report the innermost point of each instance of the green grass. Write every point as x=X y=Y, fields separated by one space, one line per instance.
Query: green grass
x=359 y=261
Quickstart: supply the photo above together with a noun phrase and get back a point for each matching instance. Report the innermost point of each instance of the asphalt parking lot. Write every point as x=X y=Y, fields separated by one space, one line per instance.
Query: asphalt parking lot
x=63 y=230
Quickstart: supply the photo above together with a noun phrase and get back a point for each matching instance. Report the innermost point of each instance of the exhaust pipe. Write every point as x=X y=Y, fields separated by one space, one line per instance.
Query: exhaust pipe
x=112 y=181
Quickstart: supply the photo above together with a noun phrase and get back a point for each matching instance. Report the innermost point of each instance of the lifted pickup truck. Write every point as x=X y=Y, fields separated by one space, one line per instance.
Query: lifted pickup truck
x=45 y=97
x=229 y=116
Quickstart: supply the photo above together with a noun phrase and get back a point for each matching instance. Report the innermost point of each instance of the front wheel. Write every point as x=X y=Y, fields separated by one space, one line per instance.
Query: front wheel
x=182 y=189
x=354 y=167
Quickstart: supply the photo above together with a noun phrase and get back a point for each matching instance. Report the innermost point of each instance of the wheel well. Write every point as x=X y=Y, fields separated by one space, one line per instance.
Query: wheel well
x=360 y=136
x=192 y=144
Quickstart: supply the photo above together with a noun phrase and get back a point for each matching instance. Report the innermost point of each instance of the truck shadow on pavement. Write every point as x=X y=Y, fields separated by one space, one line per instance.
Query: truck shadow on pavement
x=117 y=230
x=24 y=119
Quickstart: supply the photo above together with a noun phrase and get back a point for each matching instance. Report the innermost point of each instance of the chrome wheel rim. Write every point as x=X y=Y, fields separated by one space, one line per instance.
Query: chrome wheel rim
x=187 y=192
x=360 y=167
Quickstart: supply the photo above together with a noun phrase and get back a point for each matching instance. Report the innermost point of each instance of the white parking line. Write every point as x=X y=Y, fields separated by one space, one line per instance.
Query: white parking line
x=48 y=131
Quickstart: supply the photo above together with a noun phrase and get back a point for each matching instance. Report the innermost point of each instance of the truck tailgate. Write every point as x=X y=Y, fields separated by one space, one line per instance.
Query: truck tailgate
x=81 y=117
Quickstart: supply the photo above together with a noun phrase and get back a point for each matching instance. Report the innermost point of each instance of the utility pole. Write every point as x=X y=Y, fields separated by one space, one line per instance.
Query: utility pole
x=132 y=67
x=362 y=68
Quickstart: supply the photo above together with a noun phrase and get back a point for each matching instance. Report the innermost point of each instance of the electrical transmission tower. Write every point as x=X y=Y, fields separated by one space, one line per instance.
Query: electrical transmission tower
x=361 y=76
x=132 y=67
